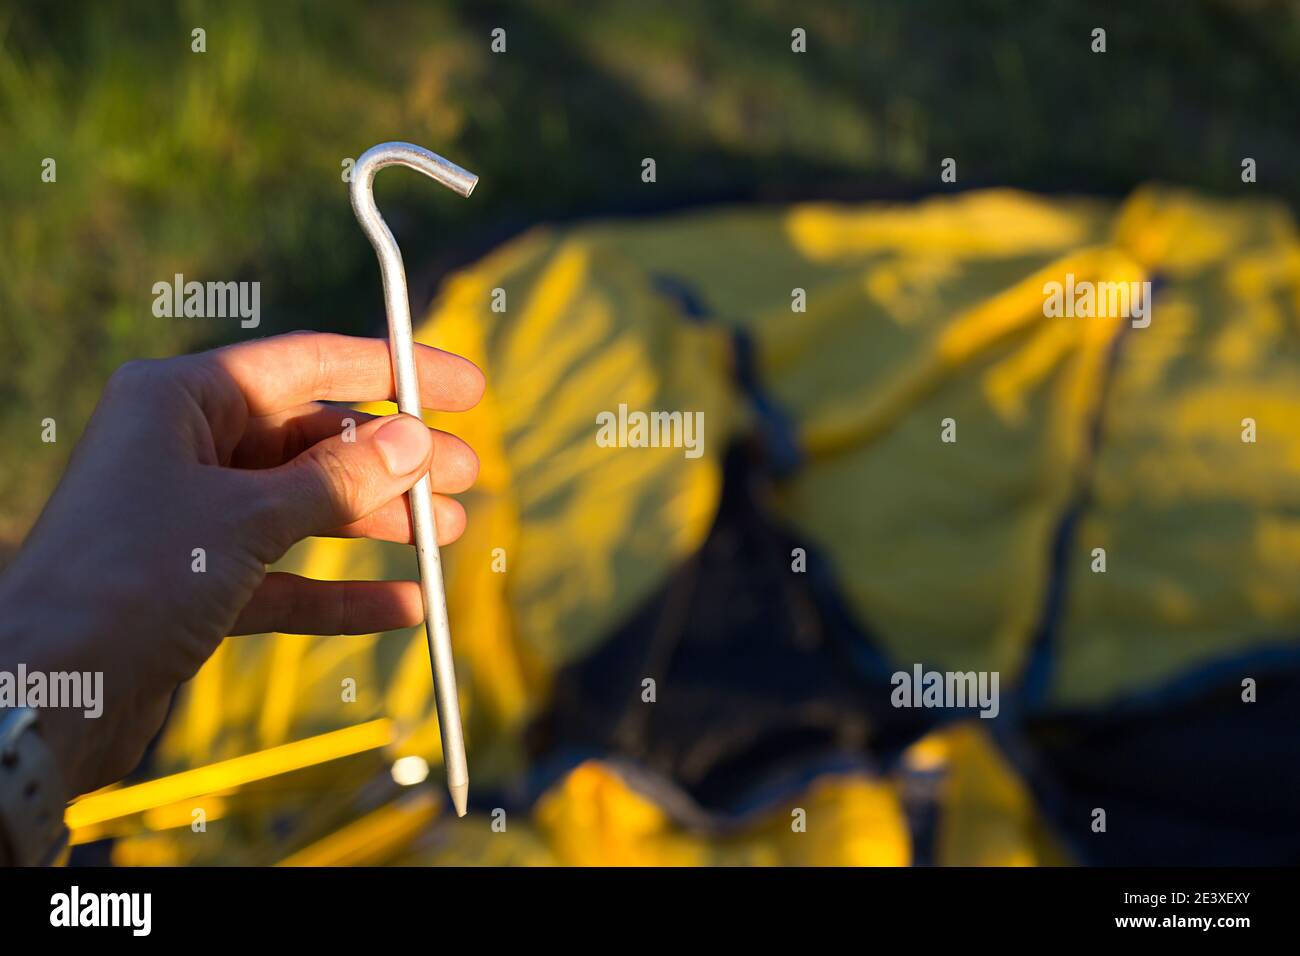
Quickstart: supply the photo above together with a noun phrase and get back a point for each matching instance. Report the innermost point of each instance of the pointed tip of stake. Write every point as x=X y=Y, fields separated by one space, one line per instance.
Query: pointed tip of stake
x=459 y=797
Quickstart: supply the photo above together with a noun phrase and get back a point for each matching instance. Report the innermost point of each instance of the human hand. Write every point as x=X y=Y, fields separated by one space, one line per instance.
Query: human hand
x=231 y=451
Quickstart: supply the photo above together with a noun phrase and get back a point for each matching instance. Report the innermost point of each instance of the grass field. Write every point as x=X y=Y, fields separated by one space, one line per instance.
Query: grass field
x=226 y=164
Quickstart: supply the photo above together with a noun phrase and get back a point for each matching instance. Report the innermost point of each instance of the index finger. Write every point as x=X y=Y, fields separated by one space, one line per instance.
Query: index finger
x=284 y=371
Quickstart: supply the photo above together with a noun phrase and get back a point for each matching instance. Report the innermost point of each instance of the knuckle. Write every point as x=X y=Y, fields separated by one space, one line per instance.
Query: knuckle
x=272 y=533
x=261 y=516
x=333 y=466
x=324 y=378
x=345 y=609
x=344 y=482
x=132 y=375
x=151 y=377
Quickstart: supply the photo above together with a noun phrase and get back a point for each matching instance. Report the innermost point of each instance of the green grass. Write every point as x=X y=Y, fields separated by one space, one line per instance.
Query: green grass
x=226 y=165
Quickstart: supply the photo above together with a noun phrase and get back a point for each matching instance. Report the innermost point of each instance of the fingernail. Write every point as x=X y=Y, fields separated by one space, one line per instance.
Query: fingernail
x=403 y=443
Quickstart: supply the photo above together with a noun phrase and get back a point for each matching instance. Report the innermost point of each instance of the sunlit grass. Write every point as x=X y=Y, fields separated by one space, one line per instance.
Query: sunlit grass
x=226 y=164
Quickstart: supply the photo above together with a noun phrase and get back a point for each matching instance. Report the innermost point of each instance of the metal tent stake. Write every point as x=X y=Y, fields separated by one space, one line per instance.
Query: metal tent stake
x=408 y=400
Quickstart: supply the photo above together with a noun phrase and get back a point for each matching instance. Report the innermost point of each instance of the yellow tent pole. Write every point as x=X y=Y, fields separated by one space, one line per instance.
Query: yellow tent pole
x=226 y=774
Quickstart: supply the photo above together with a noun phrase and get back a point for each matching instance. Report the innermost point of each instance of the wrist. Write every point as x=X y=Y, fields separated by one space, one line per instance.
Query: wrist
x=25 y=649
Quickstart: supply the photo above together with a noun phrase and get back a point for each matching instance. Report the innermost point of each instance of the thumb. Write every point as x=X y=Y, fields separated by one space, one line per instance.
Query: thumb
x=336 y=481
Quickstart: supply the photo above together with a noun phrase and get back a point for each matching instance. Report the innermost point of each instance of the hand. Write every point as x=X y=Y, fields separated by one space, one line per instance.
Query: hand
x=230 y=451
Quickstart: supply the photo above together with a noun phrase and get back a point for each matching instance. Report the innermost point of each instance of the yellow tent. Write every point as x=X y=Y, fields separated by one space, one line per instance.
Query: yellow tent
x=1118 y=515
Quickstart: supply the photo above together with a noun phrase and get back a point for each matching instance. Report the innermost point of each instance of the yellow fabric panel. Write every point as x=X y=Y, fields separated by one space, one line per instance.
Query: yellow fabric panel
x=1200 y=529
x=942 y=548
x=942 y=319
x=584 y=333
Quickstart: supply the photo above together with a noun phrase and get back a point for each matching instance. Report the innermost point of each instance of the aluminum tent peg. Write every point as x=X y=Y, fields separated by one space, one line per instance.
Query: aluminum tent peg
x=402 y=348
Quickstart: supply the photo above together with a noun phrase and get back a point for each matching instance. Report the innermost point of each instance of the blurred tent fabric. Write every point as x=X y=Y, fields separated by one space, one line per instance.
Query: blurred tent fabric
x=586 y=570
